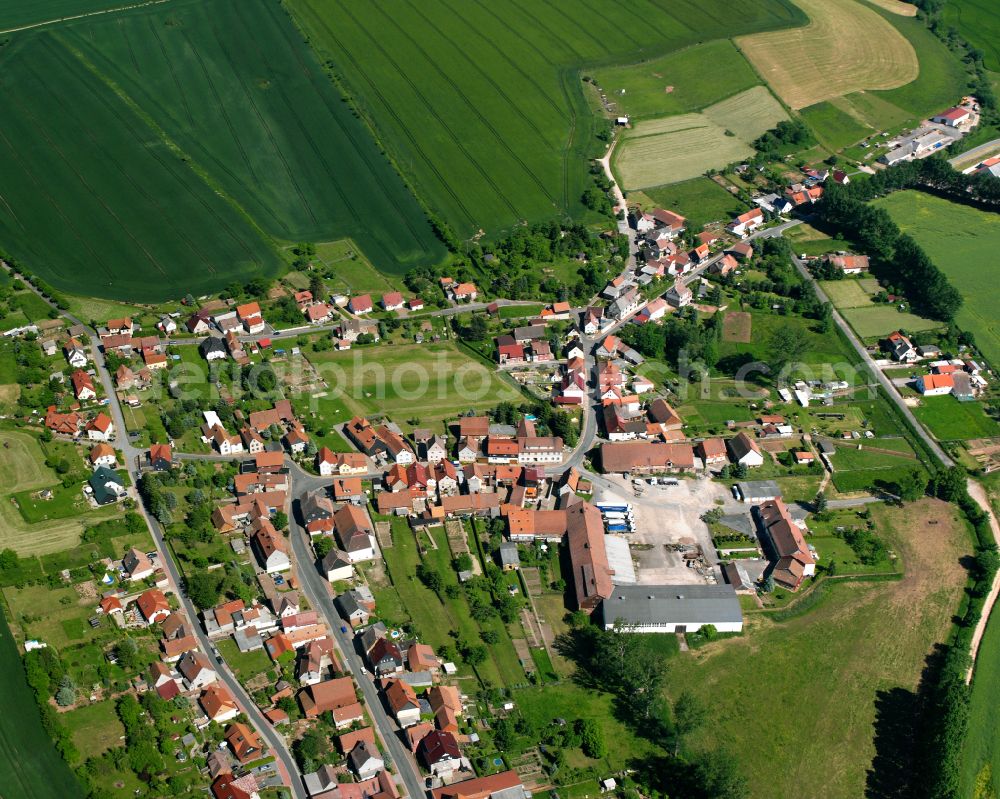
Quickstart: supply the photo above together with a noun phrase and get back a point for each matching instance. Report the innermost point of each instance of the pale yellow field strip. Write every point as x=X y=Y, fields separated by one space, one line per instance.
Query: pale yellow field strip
x=846 y=47
x=896 y=7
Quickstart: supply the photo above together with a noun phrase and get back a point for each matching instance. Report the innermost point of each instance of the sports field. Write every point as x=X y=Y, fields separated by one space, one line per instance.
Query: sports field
x=977 y=21
x=963 y=242
x=857 y=658
x=686 y=80
x=676 y=148
x=429 y=382
x=480 y=105
x=874 y=321
x=846 y=47
x=700 y=200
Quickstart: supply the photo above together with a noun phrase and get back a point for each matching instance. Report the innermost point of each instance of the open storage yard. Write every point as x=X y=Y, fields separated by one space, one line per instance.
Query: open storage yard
x=963 y=242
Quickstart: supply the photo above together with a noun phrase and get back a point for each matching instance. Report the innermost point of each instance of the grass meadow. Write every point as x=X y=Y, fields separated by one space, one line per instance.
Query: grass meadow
x=860 y=647
x=982 y=744
x=686 y=80
x=848 y=293
x=977 y=21
x=875 y=321
x=951 y=420
x=963 y=242
x=700 y=199
x=480 y=105
x=832 y=126
x=429 y=382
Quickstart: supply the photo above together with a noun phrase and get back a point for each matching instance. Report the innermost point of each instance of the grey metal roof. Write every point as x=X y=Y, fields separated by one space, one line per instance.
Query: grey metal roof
x=673 y=604
x=758 y=488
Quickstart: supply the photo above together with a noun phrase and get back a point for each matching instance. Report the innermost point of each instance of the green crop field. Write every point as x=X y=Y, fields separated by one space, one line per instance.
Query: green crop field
x=977 y=21
x=686 y=80
x=874 y=321
x=832 y=126
x=700 y=200
x=30 y=766
x=480 y=104
x=963 y=242
x=982 y=745
x=167 y=149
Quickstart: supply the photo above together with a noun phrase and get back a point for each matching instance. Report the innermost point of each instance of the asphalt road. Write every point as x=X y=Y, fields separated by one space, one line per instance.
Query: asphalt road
x=316 y=590
x=885 y=382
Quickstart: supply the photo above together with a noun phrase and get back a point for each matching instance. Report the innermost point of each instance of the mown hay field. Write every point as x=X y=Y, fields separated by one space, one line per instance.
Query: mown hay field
x=677 y=148
x=480 y=104
x=686 y=80
x=963 y=242
x=848 y=293
x=846 y=47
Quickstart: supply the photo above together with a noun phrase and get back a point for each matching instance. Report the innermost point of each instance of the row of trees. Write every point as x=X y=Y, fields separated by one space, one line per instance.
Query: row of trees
x=895 y=255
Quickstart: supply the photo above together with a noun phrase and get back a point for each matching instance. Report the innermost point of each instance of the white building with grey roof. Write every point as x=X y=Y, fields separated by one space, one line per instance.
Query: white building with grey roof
x=673 y=608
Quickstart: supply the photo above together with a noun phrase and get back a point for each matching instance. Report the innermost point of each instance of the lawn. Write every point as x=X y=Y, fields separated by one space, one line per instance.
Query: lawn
x=350 y=271
x=833 y=127
x=30 y=766
x=820 y=348
x=246 y=664
x=95 y=728
x=847 y=293
x=685 y=80
x=951 y=420
x=877 y=321
x=54 y=615
x=963 y=243
x=676 y=148
x=23 y=464
x=700 y=199
x=849 y=458
x=425 y=382
x=977 y=21
x=480 y=105
x=850 y=666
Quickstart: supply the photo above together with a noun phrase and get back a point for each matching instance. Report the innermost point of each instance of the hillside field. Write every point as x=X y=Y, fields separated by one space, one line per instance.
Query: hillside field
x=700 y=200
x=852 y=662
x=977 y=21
x=677 y=148
x=686 y=80
x=963 y=242
x=481 y=106
x=833 y=126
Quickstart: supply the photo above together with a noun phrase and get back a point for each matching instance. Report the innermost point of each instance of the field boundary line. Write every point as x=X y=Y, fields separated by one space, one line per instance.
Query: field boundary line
x=84 y=16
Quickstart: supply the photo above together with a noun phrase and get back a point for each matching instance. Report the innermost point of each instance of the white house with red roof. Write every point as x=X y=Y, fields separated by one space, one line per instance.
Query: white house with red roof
x=83 y=386
x=953 y=117
x=392 y=301
x=361 y=304
x=747 y=223
x=100 y=428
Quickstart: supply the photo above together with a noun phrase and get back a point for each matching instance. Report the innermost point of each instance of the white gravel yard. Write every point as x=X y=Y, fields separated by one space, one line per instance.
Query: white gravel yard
x=667 y=516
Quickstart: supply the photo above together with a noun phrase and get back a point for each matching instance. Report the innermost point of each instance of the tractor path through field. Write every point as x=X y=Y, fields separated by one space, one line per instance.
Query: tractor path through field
x=977 y=493
x=98 y=13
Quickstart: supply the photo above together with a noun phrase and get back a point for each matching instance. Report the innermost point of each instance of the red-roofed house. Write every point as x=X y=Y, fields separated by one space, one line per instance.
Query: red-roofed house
x=360 y=305
x=392 y=301
x=83 y=386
